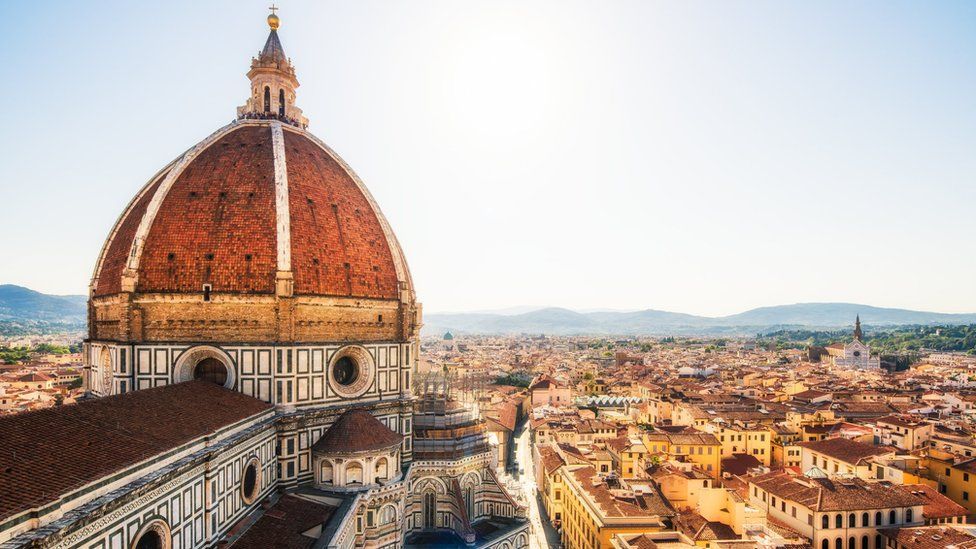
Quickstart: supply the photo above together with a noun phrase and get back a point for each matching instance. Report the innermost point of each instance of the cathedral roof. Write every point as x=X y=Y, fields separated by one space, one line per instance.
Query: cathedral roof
x=256 y=199
x=356 y=431
x=286 y=525
x=49 y=453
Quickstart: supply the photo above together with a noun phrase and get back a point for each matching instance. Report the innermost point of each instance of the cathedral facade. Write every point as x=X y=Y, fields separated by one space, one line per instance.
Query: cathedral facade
x=252 y=338
x=853 y=355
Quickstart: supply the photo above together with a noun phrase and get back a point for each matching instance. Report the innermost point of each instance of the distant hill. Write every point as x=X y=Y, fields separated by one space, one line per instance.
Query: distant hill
x=23 y=304
x=556 y=321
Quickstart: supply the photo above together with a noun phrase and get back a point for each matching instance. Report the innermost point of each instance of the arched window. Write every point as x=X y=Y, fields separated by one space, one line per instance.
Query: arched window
x=891 y=517
x=469 y=502
x=382 y=469
x=908 y=515
x=327 y=473
x=354 y=473
x=267 y=99
x=839 y=544
x=150 y=540
x=877 y=542
x=865 y=521
x=825 y=523
x=851 y=543
x=864 y=542
x=430 y=510
x=388 y=515
x=825 y=544
x=877 y=518
x=281 y=102
x=155 y=535
x=852 y=520
x=839 y=521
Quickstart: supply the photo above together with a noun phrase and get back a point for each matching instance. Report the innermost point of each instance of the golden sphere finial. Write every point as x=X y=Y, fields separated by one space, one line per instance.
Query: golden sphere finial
x=273 y=20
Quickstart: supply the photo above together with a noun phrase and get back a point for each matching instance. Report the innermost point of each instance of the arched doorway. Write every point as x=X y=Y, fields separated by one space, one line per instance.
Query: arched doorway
x=212 y=370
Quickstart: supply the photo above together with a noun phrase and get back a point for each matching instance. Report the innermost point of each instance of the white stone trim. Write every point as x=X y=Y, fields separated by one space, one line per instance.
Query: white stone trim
x=135 y=253
x=399 y=261
x=282 y=211
x=118 y=223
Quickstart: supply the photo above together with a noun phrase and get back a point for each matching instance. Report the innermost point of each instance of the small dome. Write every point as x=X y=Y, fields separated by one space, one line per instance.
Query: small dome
x=354 y=432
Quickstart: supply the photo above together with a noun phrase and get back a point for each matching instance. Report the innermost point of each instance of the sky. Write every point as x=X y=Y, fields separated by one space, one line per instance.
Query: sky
x=701 y=157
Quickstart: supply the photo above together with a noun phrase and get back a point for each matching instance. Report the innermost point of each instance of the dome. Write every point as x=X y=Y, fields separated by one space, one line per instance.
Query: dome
x=354 y=432
x=238 y=208
x=259 y=233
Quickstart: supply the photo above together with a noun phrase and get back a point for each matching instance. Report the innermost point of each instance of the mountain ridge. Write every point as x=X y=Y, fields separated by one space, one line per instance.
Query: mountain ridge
x=561 y=321
x=20 y=303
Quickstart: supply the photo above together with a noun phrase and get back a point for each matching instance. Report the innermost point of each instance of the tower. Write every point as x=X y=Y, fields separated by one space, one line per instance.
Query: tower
x=858 y=335
x=273 y=82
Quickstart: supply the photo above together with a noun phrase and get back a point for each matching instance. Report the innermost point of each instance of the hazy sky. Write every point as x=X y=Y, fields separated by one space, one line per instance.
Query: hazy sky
x=703 y=157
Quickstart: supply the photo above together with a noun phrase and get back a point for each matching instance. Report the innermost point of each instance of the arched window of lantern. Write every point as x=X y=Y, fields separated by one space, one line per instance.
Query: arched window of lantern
x=281 y=102
x=267 y=99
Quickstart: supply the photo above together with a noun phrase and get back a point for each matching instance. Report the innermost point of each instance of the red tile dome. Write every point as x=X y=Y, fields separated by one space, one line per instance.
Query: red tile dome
x=256 y=199
x=357 y=431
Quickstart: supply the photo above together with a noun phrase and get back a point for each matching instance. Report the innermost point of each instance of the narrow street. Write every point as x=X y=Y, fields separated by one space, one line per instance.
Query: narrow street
x=543 y=534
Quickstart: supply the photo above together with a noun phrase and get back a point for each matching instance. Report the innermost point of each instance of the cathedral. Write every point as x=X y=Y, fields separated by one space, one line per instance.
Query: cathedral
x=253 y=333
x=856 y=354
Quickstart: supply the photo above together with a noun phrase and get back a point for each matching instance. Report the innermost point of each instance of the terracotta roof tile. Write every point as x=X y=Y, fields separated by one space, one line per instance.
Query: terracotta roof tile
x=283 y=524
x=356 y=430
x=50 y=452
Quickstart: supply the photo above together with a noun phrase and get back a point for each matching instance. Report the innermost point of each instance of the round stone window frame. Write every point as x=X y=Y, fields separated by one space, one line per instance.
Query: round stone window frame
x=256 y=463
x=158 y=525
x=364 y=364
x=187 y=362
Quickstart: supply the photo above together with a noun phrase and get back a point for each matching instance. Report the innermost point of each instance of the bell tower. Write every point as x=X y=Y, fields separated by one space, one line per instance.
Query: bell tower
x=273 y=82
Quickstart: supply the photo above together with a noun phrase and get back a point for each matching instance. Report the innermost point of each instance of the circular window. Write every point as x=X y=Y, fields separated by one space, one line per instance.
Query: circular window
x=212 y=370
x=857 y=353
x=345 y=371
x=249 y=484
x=351 y=371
